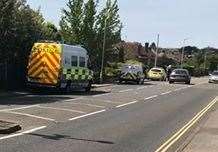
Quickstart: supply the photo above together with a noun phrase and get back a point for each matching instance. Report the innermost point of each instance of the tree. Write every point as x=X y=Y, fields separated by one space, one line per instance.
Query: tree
x=7 y=12
x=20 y=27
x=108 y=18
x=51 y=32
x=88 y=30
x=80 y=24
x=72 y=22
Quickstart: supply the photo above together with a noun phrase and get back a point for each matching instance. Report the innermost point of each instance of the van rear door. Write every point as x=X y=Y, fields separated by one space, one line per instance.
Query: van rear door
x=44 y=63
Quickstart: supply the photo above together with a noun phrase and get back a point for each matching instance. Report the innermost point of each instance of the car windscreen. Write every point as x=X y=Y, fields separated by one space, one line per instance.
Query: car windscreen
x=156 y=70
x=215 y=73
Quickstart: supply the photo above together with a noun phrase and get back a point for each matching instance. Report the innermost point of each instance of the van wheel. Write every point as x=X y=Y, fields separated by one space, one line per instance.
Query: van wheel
x=170 y=82
x=88 y=88
x=68 y=87
x=188 y=82
x=142 y=81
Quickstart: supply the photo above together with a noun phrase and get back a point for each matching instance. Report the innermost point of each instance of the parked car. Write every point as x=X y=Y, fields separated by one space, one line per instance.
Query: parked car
x=180 y=75
x=213 y=77
x=132 y=72
x=157 y=74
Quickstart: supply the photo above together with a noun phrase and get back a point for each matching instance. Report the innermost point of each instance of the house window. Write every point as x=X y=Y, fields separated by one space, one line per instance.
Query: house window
x=82 y=62
x=74 y=61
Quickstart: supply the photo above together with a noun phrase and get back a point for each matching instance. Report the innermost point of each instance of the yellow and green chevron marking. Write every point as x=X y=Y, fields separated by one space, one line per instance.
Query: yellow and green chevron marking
x=77 y=74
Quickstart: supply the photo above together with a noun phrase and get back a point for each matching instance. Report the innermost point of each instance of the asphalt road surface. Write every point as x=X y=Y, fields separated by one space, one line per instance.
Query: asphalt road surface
x=116 y=118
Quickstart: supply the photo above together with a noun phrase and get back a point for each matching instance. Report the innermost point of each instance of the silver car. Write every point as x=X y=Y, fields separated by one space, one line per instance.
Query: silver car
x=213 y=77
x=180 y=75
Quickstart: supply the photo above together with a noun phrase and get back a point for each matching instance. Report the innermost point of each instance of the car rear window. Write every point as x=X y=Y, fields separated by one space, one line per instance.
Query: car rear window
x=180 y=72
x=155 y=70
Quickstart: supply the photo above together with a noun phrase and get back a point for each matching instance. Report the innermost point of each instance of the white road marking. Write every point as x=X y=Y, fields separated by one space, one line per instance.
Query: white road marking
x=20 y=108
x=166 y=93
x=125 y=90
x=99 y=95
x=151 y=97
x=90 y=105
x=165 y=146
x=108 y=101
x=80 y=98
x=23 y=133
x=86 y=115
x=21 y=93
x=142 y=87
x=178 y=89
x=126 y=104
x=30 y=115
x=61 y=109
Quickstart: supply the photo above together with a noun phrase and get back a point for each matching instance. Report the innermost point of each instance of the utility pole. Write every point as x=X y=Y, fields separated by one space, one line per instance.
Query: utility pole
x=104 y=44
x=205 y=58
x=183 y=50
x=156 y=53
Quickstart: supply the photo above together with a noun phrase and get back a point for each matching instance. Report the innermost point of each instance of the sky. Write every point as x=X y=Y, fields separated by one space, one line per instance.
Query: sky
x=143 y=20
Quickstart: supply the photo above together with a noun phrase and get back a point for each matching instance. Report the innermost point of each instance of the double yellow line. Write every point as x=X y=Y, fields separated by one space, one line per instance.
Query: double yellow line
x=164 y=147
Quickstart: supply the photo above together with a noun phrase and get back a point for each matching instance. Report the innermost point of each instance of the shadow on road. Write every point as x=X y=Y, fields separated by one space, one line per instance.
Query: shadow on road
x=48 y=96
x=60 y=137
x=134 y=83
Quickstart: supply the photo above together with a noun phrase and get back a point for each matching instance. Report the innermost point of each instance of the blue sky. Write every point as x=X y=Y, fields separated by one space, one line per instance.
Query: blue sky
x=174 y=20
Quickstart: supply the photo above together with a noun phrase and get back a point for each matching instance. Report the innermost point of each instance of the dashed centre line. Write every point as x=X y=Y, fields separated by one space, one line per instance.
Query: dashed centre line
x=166 y=93
x=151 y=97
x=126 y=104
x=86 y=115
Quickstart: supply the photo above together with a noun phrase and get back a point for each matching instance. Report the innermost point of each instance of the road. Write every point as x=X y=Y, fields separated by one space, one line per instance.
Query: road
x=116 y=118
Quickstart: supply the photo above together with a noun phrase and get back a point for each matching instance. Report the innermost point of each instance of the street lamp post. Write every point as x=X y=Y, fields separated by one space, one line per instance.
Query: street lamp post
x=183 y=50
x=104 y=44
x=156 y=53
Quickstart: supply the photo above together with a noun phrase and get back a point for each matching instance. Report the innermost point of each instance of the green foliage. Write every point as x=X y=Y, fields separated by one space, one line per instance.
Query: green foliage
x=200 y=66
x=72 y=22
x=212 y=62
x=81 y=24
x=20 y=27
x=51 y=32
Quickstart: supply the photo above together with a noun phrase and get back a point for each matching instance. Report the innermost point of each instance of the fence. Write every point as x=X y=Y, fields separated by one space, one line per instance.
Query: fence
x=3 y=75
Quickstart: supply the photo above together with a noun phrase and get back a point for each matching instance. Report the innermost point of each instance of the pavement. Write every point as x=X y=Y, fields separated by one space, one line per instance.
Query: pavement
x=206 y=137
x=114 y=118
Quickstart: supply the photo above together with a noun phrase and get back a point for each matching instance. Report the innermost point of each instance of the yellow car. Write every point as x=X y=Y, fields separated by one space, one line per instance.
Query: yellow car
x=157 y=74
